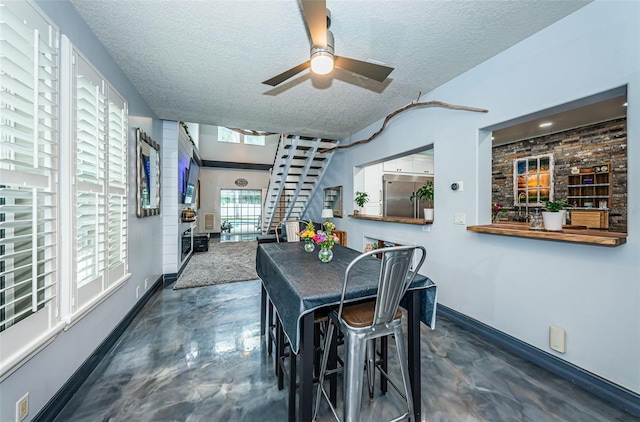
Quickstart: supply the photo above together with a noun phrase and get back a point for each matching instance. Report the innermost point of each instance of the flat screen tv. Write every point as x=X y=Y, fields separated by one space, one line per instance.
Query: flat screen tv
x=189 y=195
x=192 y=181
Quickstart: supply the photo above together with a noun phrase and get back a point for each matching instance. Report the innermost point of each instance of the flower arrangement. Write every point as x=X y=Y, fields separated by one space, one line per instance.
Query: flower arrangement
x=329 y=227
x=325 y=240
x=308 y=233
x=495 y=210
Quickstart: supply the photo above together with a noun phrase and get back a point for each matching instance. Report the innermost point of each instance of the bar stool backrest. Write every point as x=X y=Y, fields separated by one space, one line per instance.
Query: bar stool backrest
x=393 y=281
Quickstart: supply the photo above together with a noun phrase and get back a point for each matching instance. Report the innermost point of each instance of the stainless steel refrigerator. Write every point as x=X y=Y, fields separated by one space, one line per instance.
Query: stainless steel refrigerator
x=396 y=191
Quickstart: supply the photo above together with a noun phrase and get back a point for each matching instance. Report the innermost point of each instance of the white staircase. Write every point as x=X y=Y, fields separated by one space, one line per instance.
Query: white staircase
x=297 y=171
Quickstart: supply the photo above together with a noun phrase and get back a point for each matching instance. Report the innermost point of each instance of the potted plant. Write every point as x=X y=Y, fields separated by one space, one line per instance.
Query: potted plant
x=554 y=216
x=425 y=193
x=361 y=199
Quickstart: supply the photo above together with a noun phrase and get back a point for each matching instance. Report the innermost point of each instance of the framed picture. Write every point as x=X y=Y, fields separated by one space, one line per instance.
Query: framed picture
x=333 y=200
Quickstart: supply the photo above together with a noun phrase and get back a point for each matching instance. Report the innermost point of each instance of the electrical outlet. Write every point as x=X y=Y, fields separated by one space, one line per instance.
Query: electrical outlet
x=22 y=408
x=459 y=218
x=137 y=292
x=558 y=339
x=426 y=227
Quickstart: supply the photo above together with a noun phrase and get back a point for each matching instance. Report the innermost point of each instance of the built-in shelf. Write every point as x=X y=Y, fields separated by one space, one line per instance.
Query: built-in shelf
x=416 y=221
x=571 y=235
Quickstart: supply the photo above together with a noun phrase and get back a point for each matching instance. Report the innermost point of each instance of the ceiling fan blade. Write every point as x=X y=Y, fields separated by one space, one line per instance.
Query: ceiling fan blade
x=276 y=80
x=377 y=72
x=315 y=13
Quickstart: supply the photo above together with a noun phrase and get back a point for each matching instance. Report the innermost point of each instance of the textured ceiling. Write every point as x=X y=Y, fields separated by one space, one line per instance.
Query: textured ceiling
x=203 y=61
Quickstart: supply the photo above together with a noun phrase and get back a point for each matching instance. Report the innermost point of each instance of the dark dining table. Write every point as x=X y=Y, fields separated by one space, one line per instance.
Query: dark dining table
x=298 y=285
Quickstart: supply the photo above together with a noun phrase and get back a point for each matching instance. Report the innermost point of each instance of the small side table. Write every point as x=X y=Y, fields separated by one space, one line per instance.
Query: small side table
x=200 y=242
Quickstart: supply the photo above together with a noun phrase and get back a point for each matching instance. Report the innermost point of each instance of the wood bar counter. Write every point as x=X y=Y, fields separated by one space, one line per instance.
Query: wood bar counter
x=403 y=220
x=572 y=234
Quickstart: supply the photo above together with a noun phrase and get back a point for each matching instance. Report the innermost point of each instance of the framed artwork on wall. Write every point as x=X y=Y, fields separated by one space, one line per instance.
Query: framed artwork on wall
x=533 y=180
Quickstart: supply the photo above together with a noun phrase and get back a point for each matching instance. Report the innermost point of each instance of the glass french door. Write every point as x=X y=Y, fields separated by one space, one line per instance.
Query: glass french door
x=240 y=211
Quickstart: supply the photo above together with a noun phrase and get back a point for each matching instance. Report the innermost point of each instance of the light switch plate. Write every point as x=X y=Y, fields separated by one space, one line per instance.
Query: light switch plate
x=459 y=218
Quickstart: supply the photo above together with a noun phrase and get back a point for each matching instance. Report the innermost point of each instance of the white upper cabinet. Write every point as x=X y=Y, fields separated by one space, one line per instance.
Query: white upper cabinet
x=415 y=164
x=423 y=164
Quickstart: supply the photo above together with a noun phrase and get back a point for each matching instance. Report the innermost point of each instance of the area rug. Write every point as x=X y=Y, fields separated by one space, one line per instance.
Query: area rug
x=225 y=262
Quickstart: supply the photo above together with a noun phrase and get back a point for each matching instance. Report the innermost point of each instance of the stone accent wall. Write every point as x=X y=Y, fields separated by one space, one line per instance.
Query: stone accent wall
x=601 y=143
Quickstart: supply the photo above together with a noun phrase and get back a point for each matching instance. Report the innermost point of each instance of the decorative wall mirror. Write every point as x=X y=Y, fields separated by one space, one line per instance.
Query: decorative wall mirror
x=148 y=176
x=333 y=200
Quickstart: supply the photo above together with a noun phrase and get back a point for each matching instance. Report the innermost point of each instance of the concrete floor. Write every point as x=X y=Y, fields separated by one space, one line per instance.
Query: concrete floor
x=197 y=355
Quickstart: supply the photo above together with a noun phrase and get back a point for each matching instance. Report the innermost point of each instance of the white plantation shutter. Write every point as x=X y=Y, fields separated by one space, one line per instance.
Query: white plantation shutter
x=117 y=186
x=50 y=277
x=100 y=125
x=90 y=122
x=29 y=84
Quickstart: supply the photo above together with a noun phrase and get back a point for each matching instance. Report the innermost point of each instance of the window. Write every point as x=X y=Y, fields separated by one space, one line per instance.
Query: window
x=63 y=205
x=228 y=135
x=240 y=210
x=117 y=184
x=254 y=140
x=100 y=121
x=233 y=137
x=29 y=163
x=532 y=180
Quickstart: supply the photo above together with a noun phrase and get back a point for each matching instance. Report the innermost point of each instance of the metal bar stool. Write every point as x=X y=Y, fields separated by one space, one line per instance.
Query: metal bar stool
x=363 y=322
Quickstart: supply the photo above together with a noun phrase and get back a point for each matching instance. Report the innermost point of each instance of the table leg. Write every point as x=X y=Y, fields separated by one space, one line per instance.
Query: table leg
x=263 y=311
x=332 y=365
x=280 y=354
x=413 y=328
x=306 y=368
x=270 y=325
x=292 y=386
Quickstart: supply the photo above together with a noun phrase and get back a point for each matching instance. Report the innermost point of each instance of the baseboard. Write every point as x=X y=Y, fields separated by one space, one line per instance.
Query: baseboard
x=618 y=396
x=62 y=397
x=171 y=277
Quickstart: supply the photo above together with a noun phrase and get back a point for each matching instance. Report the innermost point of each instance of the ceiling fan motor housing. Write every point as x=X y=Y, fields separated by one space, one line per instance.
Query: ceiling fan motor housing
x=328 y=49
x=322 y=57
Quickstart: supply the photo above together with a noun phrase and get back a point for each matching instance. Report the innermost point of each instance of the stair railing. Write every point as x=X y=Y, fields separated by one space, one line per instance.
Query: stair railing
x=303 y=177
x=320 y=177
x=283 y=178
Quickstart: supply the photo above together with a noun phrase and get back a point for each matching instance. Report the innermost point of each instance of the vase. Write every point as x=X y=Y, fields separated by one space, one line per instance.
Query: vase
x=325 y=254
x=428 y=214
x=553 y=221
x=309 y=246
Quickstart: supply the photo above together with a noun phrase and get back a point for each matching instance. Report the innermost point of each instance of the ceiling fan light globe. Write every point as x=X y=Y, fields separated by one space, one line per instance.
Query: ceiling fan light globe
x=321 y=62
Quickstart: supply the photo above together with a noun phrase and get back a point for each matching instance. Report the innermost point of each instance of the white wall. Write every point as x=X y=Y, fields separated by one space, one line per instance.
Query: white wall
x=211 y=149
x=44 y=374
x=214 y=179
x=516 y=285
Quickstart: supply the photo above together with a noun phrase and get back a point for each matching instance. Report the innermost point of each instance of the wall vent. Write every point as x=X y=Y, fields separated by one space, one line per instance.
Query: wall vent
x=209 y=221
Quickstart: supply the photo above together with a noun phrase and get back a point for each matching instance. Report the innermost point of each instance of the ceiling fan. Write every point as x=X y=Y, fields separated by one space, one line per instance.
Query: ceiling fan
x=323 y=59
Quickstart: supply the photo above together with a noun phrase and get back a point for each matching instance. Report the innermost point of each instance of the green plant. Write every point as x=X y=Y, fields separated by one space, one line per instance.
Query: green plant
x=361 y=198
x=555 y=205
x=425 y=192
